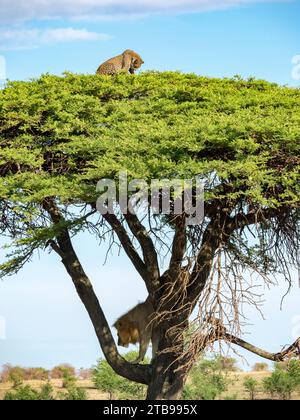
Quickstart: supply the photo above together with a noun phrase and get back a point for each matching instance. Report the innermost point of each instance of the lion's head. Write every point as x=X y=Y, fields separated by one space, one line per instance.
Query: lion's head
x=127 y=332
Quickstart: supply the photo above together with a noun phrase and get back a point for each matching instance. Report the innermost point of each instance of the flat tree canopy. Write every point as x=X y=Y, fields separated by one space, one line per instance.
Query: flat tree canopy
x=60 y=135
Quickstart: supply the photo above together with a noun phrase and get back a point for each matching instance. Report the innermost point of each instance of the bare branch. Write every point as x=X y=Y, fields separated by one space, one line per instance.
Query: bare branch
x=148 y=248
x=291 y=351
x=127 y=244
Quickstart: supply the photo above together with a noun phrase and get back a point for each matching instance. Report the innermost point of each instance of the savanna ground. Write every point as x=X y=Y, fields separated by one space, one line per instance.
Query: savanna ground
x=235 y=388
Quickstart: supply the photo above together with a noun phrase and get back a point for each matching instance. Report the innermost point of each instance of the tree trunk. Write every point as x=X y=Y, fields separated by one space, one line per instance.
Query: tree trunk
x=168 y=368
x=166 y=383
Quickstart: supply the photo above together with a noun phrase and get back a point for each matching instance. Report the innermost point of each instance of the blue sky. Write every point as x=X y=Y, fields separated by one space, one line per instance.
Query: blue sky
x=256 y=38
x=44 y=320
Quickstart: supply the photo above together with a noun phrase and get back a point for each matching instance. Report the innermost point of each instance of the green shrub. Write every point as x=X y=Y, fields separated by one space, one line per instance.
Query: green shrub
x=22 y=393
x=108 y=381
x=45 y=393
x=284 y=380
x=69 y=380
x=16 y=376
x=251 y=386
x=74 y=394
x=206 y=381
x=260 y=367
x=279 y=385
x=293 y=370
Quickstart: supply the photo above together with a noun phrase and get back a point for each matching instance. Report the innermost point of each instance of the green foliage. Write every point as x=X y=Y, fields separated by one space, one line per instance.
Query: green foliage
x=279 y=384
x=60 y=135
x=97 y=126
x=22 y=393
x=74 y=394
x=206 y=381
x=294 y=371
x=28 y=393
x=45 y=393
x=16 y=376
x=284 y=380
x=251 y=386
x=69 y=381
x=108 y=381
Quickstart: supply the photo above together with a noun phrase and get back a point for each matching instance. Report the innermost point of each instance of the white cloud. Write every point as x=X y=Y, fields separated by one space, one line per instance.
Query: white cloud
x=19 y=39
x=13 y=11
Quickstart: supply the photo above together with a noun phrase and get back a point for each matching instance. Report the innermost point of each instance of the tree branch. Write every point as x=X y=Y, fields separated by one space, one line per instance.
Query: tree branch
x=148 y=249
x=178 y=246
x=136 y=260
x=294 y=349
x=64 y=247
x=254 y=216
x=203 y=265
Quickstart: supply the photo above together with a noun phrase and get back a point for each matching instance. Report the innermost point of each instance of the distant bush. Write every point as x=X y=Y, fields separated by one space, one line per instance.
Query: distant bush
x=28 y=393
x=108 y=381
x=279 y=385
x=69 y=381
x=284 y=380
x=22 y=393
x=16 y=376
x=19 y=374
x=206 y=381
x=84 y=374
x=293 y=370
x=37 y=374
x=228 y=364
x=251 y=386
x=45 y=393
x=4 y=376
x=59 y=371
x=260 y=367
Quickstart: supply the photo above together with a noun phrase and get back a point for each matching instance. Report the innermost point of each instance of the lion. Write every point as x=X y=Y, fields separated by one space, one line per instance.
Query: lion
x=137 y=325
x=129 y=61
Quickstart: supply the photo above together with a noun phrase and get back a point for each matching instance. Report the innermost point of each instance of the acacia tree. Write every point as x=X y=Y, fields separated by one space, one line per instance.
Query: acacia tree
x=60 y=135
